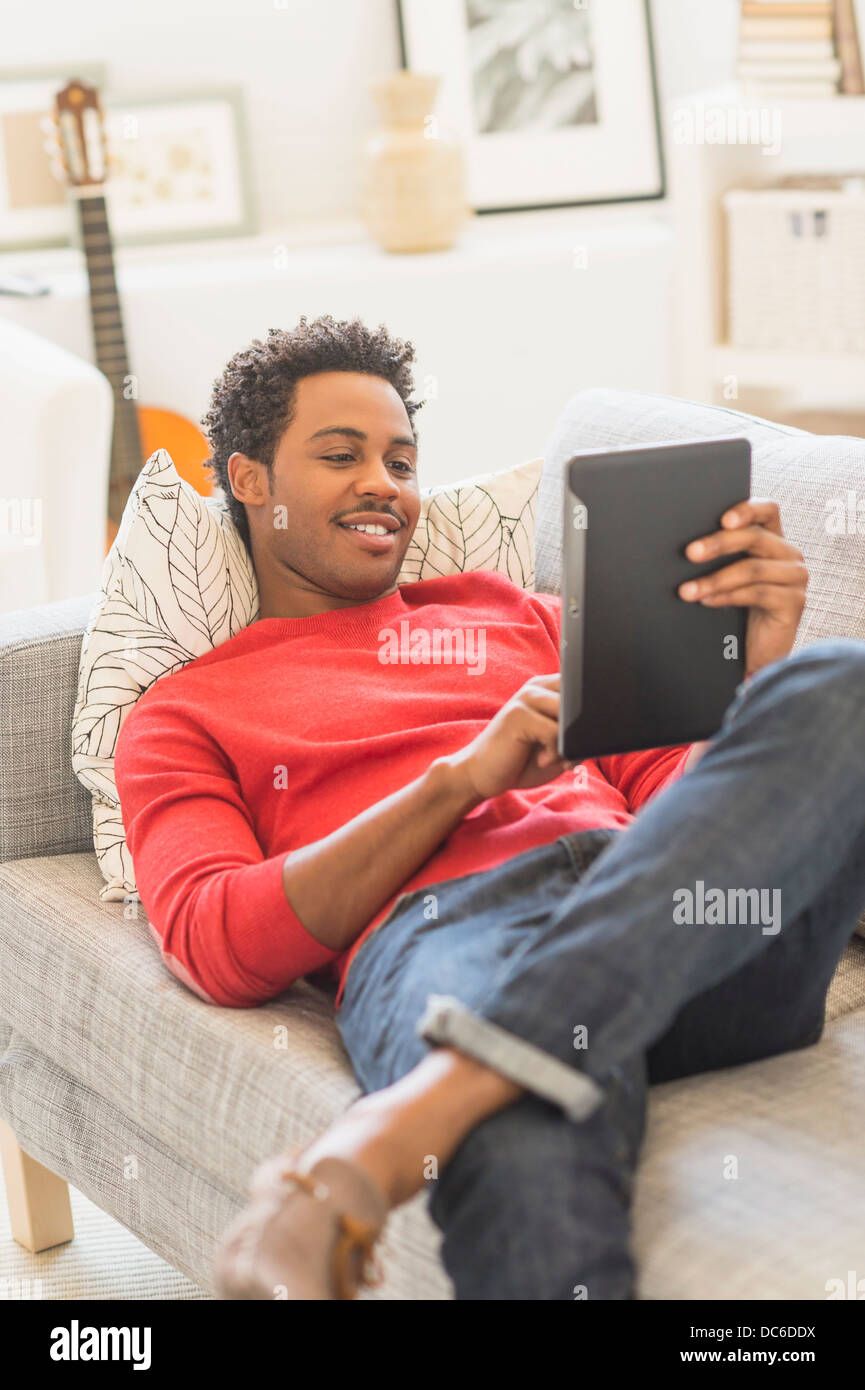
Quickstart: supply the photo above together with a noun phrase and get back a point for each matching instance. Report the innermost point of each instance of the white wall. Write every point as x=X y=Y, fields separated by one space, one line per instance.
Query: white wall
x=305 y=66
x=505 y=332
x=695 y=43
x=508 y=343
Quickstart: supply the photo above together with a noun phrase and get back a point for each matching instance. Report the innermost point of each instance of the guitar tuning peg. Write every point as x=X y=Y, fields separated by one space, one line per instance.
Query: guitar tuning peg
x=56 y=161
x=48 y=125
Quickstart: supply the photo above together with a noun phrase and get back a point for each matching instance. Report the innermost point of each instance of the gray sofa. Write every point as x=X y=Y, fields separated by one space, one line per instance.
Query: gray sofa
x=158 y=1106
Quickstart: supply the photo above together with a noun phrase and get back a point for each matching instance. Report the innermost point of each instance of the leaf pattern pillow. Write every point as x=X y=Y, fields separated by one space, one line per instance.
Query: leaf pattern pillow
x=179 y=580
x=483 y=523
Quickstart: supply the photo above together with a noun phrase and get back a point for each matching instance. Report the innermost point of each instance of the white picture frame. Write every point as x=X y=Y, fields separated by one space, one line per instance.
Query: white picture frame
x=213 y=118
x=615 y=157
x=148 y=200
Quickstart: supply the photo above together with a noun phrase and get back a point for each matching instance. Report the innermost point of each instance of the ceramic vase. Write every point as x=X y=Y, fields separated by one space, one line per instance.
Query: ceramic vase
x=413 y=178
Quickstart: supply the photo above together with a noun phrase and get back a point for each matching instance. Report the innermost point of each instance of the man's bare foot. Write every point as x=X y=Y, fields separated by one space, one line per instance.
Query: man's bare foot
x=303 y=1236
x=315 y=1213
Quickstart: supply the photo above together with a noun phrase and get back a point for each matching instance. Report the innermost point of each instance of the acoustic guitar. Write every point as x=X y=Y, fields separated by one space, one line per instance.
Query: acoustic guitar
x=138 y=430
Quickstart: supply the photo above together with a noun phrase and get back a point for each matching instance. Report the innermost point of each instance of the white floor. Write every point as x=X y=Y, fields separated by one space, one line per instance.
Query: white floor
x=103 y=1262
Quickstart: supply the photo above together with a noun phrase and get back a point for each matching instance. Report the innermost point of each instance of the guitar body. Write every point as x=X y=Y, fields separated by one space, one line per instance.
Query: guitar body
x=182 y=439
x=165 y=429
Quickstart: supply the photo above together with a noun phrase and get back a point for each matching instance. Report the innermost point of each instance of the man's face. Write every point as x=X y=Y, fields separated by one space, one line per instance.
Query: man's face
x=347 y=460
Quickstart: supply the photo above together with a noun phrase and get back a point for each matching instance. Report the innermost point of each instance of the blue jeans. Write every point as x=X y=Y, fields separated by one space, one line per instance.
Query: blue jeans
x=591 y=967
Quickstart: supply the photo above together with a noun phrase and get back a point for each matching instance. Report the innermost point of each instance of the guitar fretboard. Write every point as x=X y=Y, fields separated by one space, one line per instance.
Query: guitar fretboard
x=110 y=350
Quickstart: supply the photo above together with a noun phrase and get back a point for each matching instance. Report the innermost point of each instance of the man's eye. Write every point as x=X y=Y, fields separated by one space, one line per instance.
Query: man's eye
x=349 y=458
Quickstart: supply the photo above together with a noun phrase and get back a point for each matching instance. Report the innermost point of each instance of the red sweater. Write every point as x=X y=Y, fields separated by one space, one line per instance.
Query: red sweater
x=293 y=727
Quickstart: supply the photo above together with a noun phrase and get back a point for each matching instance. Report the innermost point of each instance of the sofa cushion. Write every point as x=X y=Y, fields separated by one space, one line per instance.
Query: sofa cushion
x=179 y=580
x=750 y=1185
x=200 y=1095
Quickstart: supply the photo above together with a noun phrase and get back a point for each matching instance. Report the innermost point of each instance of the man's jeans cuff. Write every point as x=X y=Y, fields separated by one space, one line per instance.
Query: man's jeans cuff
x=448 y=1022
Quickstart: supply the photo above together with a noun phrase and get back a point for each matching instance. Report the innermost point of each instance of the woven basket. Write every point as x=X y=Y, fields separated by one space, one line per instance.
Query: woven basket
x=796 y=269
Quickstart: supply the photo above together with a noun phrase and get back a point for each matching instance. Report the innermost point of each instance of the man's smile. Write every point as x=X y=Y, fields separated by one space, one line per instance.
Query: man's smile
x=372 y=531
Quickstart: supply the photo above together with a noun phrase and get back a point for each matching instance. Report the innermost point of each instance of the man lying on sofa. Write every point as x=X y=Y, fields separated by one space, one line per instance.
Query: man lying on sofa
x=512 y=969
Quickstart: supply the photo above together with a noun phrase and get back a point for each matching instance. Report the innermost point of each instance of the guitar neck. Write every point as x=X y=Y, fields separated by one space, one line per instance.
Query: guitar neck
x=109 y=343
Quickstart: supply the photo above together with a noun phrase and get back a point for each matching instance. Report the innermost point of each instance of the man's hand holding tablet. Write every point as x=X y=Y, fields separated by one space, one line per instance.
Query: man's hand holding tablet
x=638 y=669
x=770 y=581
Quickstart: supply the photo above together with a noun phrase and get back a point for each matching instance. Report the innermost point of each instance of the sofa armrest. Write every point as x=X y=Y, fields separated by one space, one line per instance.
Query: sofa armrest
x=44 y=809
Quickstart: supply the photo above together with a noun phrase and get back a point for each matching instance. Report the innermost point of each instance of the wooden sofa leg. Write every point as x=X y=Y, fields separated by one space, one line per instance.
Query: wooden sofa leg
x=39 y=1209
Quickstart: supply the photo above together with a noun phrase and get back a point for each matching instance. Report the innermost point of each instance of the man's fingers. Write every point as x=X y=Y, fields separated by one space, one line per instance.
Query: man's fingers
x=791 y=575
x=772 y=598
x=549 y=757
x=755 y=511
x=549 y=682
x=543 y=729
x=756 y=540
x=540 y=698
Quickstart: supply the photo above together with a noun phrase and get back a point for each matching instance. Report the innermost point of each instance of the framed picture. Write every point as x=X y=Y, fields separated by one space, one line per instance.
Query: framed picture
x=555 y=100
x=34 y=209
x=178 y=166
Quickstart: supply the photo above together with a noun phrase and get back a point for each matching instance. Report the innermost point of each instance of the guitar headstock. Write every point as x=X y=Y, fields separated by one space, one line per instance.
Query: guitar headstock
x=80 y=135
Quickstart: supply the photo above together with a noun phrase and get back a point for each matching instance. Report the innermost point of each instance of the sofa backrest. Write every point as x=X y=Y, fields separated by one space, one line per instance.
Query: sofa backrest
x=43 y=807
x=813 y=477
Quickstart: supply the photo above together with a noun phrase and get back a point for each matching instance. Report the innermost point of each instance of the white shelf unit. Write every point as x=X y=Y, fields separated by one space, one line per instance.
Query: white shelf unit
x=816 y=136
x=822 y=378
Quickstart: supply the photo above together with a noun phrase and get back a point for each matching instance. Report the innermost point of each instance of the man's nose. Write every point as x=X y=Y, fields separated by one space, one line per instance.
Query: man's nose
x=376 y=477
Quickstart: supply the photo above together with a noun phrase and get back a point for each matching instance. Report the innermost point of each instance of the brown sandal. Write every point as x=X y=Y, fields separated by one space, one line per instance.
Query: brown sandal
x=356 y=1238
x=277 y=1248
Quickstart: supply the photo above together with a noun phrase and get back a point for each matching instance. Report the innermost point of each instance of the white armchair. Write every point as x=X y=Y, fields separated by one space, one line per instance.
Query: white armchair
x=56 y=414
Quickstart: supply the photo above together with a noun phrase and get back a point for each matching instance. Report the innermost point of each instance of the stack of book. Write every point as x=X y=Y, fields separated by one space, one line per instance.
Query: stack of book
x=800 y=48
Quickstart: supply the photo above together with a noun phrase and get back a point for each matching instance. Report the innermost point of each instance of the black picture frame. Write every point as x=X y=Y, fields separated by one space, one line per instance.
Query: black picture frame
x=656 y=196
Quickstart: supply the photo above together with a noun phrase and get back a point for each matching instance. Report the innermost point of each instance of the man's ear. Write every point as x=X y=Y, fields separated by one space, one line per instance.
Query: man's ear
x=248 y=479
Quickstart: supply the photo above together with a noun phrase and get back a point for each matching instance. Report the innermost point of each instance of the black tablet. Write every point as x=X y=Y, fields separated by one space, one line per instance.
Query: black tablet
x=641 y=667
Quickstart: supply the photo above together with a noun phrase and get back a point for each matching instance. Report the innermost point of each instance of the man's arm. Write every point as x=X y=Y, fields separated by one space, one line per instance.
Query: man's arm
x=239 y=927
x=696 y=753
x=213 y=899
x=337 y=884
